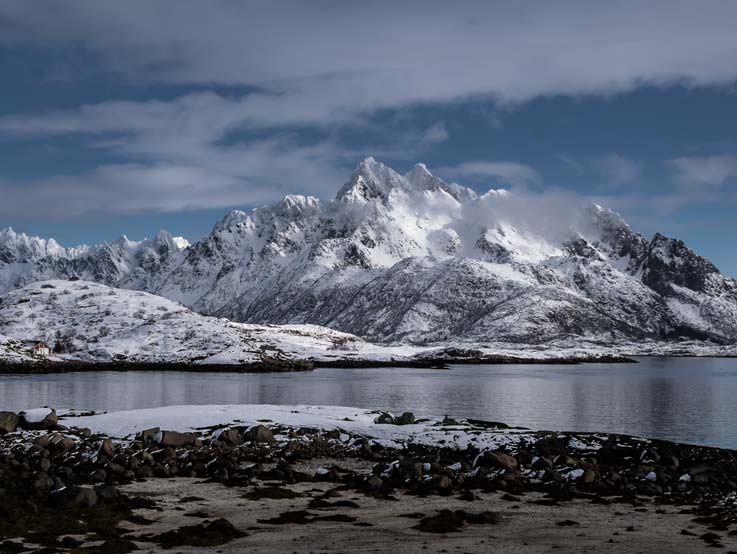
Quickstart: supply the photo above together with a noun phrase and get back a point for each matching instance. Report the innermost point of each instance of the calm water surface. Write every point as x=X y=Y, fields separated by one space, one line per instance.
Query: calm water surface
x=690 y=400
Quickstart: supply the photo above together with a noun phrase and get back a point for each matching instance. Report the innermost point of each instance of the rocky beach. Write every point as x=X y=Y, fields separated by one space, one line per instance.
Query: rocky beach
x=265 y=478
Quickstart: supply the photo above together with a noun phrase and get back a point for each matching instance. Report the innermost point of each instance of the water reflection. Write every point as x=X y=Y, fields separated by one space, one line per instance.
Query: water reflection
x=675 y=398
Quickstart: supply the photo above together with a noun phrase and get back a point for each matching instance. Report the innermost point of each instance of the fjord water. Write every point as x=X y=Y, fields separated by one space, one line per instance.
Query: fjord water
x=683 y=399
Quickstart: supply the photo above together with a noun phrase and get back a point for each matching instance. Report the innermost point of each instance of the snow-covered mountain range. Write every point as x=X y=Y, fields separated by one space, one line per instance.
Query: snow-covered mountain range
x=410 y=258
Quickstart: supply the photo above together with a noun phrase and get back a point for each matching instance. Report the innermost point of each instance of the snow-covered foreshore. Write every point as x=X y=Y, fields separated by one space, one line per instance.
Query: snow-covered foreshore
x=370 y=424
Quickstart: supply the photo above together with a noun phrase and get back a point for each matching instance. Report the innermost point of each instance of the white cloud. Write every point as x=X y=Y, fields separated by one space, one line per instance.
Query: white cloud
x=616 y=168
x=343 y=58
x=574 y=164
x=436 y=133
x=194 y=139
x=712 y=171
x=502 y=172
x=260 y=173
x=326 y=65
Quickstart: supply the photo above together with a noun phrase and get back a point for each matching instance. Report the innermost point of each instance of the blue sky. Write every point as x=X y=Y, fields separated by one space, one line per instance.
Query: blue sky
x=131 y=118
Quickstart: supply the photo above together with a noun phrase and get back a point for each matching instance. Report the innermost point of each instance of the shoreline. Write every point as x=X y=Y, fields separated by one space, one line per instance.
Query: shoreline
x=287 y=366
x=268 y=478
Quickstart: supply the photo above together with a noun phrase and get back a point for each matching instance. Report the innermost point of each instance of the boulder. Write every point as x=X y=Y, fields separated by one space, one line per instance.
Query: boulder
x=589 y=476
x=147 y=435
x=385 y=418
x=497 y=459
x=43 y=482
x=407 y=418
x=174 y=438
x=107 y=449
x=444 y=483
x=61 y=442
x=259 y=433
x=75 y=498
x=106 y=492
x=229 y=436
x=8 y=422
x=40 y=418
x=374 y=483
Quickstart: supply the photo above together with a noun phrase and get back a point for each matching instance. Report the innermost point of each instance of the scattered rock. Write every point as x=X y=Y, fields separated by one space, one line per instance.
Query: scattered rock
x=710 y=537
x=75 y=498
x=111 y=546
x=567 y=523
x=40 y=418
x=385 y=418
x=107 y=449
x=106 y=492
x=298 y=517
x=272 y=493
x=147 y=435
x=230 y=436
x=374 y=483
x=8 y=422
x=174 y=438
x=445 y=522
x=497 y=459
x=214 y=533
x=407 y=418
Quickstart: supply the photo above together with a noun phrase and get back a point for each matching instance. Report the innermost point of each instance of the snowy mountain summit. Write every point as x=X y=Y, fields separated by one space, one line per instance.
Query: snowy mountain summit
x=411 y=258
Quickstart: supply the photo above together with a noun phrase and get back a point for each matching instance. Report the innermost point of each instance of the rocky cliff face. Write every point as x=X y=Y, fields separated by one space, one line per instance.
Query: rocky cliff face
x=414 y=259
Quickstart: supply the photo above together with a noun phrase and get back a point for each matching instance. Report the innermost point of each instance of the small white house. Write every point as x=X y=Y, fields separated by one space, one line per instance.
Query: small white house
x=41 y=350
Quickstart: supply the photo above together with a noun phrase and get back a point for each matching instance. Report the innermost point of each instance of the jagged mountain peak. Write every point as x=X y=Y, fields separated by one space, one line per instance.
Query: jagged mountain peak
x=230 y=221
x=20 y=247
x=164 y=241
x=296 y=204
x=375 y=181
x=370 y=180
x=420 y=178
x=419 y=175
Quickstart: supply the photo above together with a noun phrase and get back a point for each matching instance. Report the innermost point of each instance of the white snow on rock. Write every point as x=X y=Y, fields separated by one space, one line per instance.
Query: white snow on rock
x=36 y=415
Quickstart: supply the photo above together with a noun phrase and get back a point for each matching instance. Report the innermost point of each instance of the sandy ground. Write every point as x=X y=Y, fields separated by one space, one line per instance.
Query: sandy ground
x=526 y=527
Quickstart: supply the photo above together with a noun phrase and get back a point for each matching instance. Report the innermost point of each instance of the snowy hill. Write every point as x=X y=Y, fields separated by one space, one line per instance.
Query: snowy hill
x=411 y=258
x=85 y=321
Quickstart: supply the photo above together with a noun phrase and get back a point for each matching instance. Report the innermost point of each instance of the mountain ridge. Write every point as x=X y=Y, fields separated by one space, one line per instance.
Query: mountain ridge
x=411 y=258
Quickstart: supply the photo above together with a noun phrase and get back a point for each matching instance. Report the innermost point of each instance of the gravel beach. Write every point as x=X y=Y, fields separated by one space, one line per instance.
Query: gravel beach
x=350 y=480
